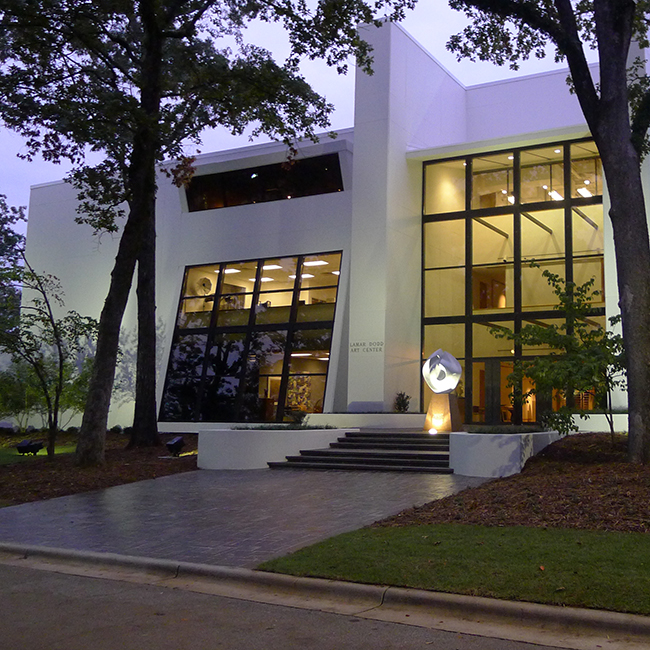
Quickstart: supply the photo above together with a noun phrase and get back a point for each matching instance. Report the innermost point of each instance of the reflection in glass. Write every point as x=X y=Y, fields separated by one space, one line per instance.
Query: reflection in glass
x=184 y=377
x=246 y=361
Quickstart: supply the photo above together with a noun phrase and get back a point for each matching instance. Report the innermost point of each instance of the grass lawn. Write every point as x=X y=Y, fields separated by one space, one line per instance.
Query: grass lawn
x=579 y=568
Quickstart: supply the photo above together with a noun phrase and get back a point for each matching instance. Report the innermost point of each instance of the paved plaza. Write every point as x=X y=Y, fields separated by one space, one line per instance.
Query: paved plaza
x=228 y=518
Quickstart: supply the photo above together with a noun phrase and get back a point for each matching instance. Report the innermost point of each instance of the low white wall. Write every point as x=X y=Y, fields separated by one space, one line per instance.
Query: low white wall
x=598 y=423
x=370 y=420
x=254 y=448
x=494 y=455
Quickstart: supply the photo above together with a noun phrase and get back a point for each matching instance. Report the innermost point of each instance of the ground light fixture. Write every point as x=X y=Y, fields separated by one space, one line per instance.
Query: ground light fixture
x=175 y=445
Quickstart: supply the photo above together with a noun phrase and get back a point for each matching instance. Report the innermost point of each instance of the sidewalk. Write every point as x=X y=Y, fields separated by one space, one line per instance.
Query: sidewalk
x=226 y=518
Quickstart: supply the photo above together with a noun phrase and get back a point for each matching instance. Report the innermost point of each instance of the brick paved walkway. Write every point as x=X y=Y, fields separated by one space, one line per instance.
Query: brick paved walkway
x=228 y=518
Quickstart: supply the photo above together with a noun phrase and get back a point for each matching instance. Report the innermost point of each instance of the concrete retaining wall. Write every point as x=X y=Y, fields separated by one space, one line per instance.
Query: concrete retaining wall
x=494 y=455
x=254 y=448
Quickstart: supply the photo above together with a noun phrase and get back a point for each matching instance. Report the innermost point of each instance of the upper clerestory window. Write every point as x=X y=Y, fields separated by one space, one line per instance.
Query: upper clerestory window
x=280 y=181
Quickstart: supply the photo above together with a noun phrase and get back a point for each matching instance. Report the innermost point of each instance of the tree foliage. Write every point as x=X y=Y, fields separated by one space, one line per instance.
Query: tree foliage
x=583 y=356
x=43 y=346
x=616 y=104
x=135 y=80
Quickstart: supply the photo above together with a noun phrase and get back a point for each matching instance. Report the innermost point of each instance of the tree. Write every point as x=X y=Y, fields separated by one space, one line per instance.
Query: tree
x=584 y=357
x=41 y=345
x=617 y=111
x=135 y=80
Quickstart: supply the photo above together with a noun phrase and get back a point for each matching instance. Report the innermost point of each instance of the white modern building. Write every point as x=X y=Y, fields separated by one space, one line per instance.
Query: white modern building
x=319 y=286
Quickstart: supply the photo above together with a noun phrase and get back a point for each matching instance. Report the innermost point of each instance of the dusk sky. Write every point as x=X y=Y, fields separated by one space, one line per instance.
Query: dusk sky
x=431 y=24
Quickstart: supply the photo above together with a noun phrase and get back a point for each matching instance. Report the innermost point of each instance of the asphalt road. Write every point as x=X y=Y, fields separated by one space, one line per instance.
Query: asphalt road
x=51 y=611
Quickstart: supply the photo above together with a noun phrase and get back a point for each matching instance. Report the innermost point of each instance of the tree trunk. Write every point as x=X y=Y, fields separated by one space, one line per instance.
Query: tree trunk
x=145 y=421
x=632 y=247
x=141 y=185
x=92 y=435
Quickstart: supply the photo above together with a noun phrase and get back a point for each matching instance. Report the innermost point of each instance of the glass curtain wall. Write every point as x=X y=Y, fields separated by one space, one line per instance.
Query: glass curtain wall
x=252 y=340
x=492 y=223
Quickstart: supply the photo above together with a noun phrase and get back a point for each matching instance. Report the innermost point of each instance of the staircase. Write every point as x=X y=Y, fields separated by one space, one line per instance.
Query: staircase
x=381 y=450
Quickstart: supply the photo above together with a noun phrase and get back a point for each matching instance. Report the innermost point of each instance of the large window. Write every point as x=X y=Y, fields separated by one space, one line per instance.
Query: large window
x=252 y=340
x=287 y=180
x=492 y=223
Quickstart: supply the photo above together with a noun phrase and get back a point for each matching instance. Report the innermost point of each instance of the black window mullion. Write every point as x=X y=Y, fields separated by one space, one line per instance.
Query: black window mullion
x=469 y=260
x=293 y=317
x=517 y=406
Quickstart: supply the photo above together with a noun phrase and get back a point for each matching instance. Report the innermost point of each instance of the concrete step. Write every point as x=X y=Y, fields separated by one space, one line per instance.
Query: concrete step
x=361 y=466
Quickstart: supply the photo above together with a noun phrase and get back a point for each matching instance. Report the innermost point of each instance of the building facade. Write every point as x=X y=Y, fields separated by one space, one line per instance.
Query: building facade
x=320 y=285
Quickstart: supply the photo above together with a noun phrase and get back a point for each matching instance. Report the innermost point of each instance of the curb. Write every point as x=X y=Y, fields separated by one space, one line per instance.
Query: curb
x=353 y=597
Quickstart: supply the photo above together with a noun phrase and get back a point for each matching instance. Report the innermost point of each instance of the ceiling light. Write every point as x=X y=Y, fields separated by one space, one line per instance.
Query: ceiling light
x=511 y=157
x=511 y=200
x=336 y=272
x=253 y=175
x=271 y=267
x=232 y=271
x=584 y=192
x=316 y=263
x=504 y=191
x=555 y=195
x=304 y=276
x=587 y=182
x=301 y=354
x=544 y=187
x=558 y=151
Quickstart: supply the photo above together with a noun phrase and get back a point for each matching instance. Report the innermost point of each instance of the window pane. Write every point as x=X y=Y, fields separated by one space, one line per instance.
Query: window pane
x=444 y=292
x=316 y=304
x=444 y=185
x=542 y=174
x=320 y=270
x=591 y=267
x=183 y=378
x=201 y=281
x=536 y=350
x=195 y=312
x=444 y=243
x=535 y=289
x=311 y=351
x=274 y=307
x=266 y=352
x=587 y=230
x=542 y=235
x=492 y=287
x=487 y=345
x=305 y=393
x=586 y=171
x=278 y=274
x=492 y=183
x=493 y=239
x=450 y=338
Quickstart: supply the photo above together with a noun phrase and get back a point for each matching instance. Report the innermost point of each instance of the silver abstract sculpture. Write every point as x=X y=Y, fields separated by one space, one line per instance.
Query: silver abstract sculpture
x=442 y=372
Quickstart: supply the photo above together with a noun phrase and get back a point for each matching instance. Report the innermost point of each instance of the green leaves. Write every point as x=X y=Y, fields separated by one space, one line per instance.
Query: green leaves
x=583 y=356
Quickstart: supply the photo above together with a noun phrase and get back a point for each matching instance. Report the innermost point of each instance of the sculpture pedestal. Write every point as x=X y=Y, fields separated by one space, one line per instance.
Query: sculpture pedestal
x=443 y=414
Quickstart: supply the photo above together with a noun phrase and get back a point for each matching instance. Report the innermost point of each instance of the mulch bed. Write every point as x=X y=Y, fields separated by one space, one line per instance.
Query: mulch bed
x=40 y=478
x=582 y=481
